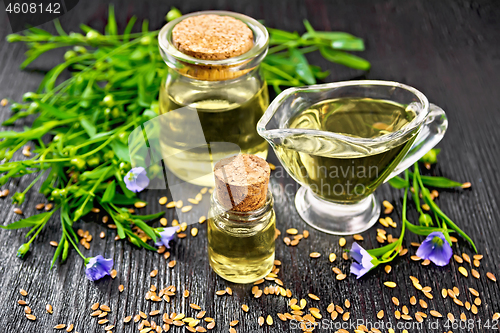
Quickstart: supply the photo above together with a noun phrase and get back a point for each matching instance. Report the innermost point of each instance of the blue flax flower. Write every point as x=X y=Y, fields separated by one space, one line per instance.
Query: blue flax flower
x=365 y=261
x=167 y=235
x=436 y=249
x=136 y=179
x=98 y=267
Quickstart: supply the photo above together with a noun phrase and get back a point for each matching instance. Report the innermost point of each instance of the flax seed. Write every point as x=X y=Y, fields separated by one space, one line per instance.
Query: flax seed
x=444 y=292
x=436 y=314
x=18 y=211
x=341 y=277
x=496 y=316
x=127 y=319
x=71 y=326
x=458 y=302
x=358 y=237
x=60 y=326
x=96 y=313
x=201 y=314
x=463 y=317
x=113 y=273
x=474 y=292
x=292 y=231
x=415 y=258
x=380 y=314
x=314 y=297
x=346 y=316
x=30 y=317
x=342 y=242
x=413 y=300
x=387 y=268
x=418 y=317
x=423 y=304
x=211 y=325
x=105 y=308
x=40 y=206
x=315 y=255
x=171 y=264
x=473 y=309
x=463 y=271
x=306 y=234
x=466 y=185
x=102 y=314
x=390 y=284
x=491 y=276
x=140 y=204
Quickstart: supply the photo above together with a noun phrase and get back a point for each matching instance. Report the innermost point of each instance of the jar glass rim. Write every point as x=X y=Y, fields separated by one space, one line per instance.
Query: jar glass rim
x=170 y=53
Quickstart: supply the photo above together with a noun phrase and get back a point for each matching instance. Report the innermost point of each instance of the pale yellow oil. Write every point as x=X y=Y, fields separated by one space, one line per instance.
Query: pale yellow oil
x=338 y=170
x=228 y=115
x=241 y=253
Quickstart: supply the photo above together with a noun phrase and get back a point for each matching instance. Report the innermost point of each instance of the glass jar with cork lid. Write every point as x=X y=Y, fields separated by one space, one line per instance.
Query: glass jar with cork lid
x=214 y=90
x=241 y=225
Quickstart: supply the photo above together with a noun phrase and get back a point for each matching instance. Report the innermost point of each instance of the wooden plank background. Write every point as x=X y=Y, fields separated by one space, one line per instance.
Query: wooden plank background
x=450 y=50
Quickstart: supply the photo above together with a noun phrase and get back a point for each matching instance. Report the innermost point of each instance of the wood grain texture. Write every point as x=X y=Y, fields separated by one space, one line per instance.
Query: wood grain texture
x=447 y=49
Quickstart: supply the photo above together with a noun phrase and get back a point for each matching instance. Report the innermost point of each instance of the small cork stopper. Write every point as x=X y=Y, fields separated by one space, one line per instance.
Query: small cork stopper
x=212 y=37
x=241 y=182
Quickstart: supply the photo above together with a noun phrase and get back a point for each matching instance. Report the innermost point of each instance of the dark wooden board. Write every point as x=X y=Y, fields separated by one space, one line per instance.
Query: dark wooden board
x=450 y=50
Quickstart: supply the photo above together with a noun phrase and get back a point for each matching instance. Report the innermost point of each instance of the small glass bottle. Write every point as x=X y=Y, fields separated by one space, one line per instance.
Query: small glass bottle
x=242 y=223
x=221 y=81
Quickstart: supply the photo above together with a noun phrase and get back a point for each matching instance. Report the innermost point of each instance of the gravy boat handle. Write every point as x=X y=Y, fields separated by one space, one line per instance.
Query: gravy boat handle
x=431 y=133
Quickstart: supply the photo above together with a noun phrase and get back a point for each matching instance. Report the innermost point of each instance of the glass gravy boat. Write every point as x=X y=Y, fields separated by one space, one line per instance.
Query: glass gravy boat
x=339 y=172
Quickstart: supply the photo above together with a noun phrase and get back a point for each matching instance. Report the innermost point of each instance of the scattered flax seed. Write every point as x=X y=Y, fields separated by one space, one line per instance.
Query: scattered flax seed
x=292 y=231
x=496 y=316
x=140 y=204
x=314 y=297
x=202 y=219
x=229 y=291
x=186 y=209
x=105 y=219
x=413 y=300
x=23 y=292
x=171 y=204
x=458 y=302
x=40 y=206
x=94 y=306
x=458 y=258
x=163 y=200
x=415 y=258
x=163 y=222
x=21 y=302
x=466 y=257
x=4 y=102
x=234 y=323
x=395 y=300
x=341 y=277
x=127 y=319
x=491 y=276
x=463 y=317
x=423 y=304
x=387 y=268
x=345 y=256
x=269 y=320
x=244 y=307
x=347 y=304
x=315 y=255
x=171 y=264
x=475 y=273
x=211 y=325
x=358 y=237
x=463 y=271
x=476 y=263
x=380 y=314
x=121 y=288
x=306 y=234
x=466 y=185
x=18 y=211
x=48 y=308
x=332 y=257
x=390 y=284
x=194 y=232
x=30 y=317
x=113 y=273
x=453 y=239
x=436 y=314
x=193 y=201
x=220 y=292
x=346 y=316
x=60 y=326
x=444 y=292
x=418 y=317
x=231 y=330
x=181 y=235
x=103 y=314
x=71 y=326
x=477 y=301
x=261 y=321
x=342 y=242
x=426 y=262
x=185 y=294
x=426 y=289
x=154 y=313
x=473 y=309
x=474 y=292
x=478 y=256
x=105 y=308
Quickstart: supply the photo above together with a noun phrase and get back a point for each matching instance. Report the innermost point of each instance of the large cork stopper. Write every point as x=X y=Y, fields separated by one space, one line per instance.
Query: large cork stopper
x=241 y=182
x=212 y=37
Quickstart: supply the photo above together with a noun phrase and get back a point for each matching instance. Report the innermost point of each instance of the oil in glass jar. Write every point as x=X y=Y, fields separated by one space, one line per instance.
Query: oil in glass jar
x=242 y=222
x=213 y=60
